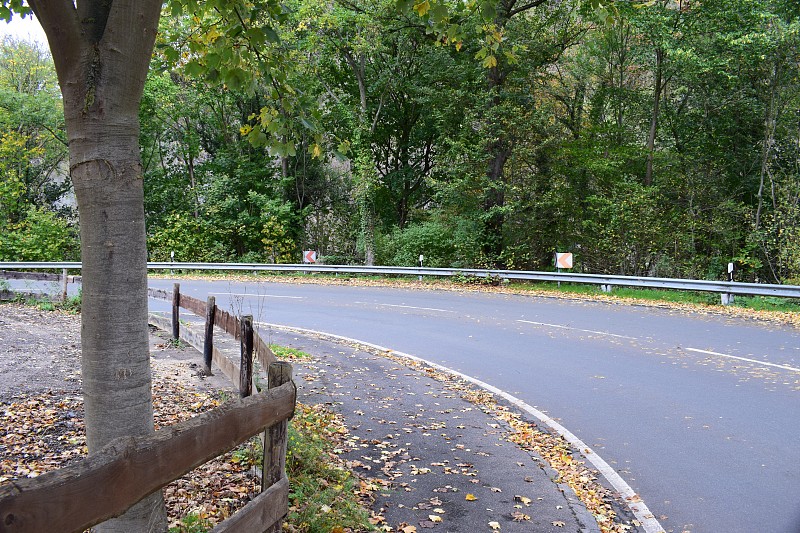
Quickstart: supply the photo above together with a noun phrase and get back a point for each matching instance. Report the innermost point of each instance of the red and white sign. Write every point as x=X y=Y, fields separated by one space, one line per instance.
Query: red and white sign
x=563 y=260
x=309 y=256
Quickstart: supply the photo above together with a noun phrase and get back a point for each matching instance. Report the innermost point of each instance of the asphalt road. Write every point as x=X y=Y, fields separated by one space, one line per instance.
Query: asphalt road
x=708 y=439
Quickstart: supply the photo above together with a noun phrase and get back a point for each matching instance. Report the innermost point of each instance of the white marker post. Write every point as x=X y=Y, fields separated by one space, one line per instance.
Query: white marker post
x=727 y=298
x=421 y=259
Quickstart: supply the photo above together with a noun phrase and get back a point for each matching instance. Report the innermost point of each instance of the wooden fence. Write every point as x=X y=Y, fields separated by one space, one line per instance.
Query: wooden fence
x=252 y=345
x=113 y=479
x=64 y=278
x=109 y=482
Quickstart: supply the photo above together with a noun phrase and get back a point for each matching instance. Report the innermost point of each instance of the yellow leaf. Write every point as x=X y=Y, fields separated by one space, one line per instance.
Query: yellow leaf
x=470 y=497
x=422 y=8
x=434 y=518
x=495 y=526
x=409 y=529
x=490 y=61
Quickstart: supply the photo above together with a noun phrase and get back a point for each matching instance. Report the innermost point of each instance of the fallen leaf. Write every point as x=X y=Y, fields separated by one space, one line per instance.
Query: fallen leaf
x=470 y=497
x=520 y=516
x=495 y=526
x=434 y=518
x=559 y=523
x=522 y=499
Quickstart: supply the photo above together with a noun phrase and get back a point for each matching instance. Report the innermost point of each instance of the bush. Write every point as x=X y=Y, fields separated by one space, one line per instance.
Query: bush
x=443 y=245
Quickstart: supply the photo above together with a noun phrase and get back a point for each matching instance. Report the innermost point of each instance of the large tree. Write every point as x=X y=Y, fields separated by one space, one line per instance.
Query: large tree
x=101 y=50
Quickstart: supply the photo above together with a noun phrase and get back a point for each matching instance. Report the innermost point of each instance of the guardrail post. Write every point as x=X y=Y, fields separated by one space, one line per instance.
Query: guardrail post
x=606 y=288
x=727 y=299
x=275 y=437
x=64 y=281
x=176 y=312
x=208 y=341
x=246 y=366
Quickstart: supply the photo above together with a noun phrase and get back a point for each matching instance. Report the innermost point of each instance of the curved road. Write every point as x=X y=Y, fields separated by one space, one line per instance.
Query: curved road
x=700 y=414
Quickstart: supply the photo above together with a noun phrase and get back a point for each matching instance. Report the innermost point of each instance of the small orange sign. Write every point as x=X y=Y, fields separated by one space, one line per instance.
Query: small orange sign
x=564 y=260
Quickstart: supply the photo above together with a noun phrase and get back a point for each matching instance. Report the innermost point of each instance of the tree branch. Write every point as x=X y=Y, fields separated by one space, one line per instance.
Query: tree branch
x=59 y=19
x=525 y=7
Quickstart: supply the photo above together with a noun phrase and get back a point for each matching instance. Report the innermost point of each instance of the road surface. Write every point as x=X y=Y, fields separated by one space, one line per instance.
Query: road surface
x=699 y=413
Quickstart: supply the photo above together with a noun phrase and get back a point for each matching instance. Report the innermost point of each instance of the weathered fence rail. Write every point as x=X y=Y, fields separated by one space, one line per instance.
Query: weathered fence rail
x=215 y=317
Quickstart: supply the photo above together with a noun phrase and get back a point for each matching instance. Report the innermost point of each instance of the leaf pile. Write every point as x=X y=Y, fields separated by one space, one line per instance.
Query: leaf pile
x=45 y=431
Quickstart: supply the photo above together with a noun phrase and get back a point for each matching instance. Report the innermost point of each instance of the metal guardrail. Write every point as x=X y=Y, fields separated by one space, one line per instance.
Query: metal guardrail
x=605 y=281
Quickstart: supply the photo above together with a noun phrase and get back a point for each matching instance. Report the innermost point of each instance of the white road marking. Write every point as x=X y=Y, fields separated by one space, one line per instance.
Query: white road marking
x=259 y=295
x=409 y=307
x=756 y=361
x=648 y=521
x=578 y=329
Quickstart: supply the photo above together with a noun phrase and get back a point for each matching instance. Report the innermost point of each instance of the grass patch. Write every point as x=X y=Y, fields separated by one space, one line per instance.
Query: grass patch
x=767 y=303
x=287 y=354
x=324 y=495
x=192 y=523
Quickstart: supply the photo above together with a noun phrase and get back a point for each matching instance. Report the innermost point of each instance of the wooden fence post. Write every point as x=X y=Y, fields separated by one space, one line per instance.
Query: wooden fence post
x=246 y=367
x=275 y=437
x=176 y=311
x=208 y=342
x=64 y=280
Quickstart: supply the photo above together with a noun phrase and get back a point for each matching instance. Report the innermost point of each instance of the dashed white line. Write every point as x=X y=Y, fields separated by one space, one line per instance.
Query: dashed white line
x=607 y=334
x=409 y=307
x=756 y=361
x=258 y=295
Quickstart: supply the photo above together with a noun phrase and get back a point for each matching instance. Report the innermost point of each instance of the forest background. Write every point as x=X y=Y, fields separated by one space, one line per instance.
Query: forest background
x=661 y=139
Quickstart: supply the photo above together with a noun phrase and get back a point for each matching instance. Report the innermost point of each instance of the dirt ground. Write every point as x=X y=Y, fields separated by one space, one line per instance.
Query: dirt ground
x=40 y=351
x=41 y=408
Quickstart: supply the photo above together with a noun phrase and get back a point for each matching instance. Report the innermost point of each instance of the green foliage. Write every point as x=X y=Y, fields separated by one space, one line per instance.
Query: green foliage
x=192 y=523
x=33 y=224
x=659 y=142
x=288 y=354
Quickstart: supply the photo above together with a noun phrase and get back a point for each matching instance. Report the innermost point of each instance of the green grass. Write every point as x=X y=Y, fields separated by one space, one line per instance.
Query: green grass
x=324 y=495
x=44 y=303
x=192 y=523
x=768 y=303
x=287 y=354
x=758 y=303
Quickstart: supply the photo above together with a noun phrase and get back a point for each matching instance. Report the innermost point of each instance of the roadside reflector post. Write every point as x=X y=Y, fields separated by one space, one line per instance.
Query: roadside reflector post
x=727 y=298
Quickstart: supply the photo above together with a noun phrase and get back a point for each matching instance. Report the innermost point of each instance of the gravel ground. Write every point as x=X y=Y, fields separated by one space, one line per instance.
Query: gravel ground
x=40 y=351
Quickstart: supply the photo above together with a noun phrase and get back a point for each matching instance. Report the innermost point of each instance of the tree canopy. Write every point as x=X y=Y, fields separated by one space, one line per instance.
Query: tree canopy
x=649 y=138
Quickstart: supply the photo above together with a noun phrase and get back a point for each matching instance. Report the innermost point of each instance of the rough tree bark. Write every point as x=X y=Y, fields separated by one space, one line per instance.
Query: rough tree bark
x=101 y=50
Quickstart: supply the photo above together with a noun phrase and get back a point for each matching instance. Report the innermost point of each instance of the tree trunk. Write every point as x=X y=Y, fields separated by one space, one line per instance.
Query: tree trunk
x=498 y=150
x=101 y=52
x=651 y=138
